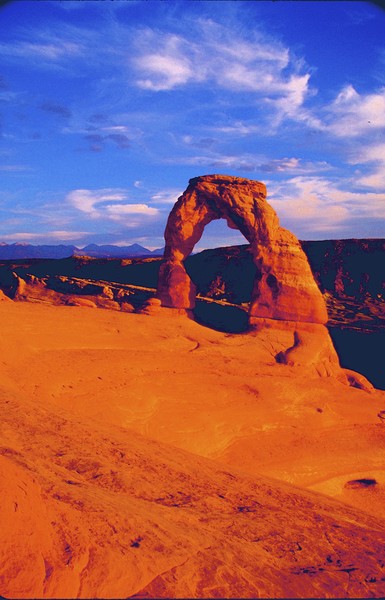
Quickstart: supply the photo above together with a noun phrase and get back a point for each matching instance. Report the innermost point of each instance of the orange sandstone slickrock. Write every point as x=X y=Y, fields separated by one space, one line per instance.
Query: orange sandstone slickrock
x=90 y=510
x=104 y=415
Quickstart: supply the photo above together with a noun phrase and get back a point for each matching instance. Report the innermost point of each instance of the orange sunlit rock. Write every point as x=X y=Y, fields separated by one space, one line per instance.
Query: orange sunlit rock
x=284 y=287
x=110 y=424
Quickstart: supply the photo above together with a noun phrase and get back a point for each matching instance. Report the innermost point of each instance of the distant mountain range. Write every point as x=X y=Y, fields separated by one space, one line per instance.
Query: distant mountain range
x=24 y=251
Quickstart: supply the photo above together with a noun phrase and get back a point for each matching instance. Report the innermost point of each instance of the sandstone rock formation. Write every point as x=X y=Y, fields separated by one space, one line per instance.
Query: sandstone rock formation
x=70 y=291
x=284 y=287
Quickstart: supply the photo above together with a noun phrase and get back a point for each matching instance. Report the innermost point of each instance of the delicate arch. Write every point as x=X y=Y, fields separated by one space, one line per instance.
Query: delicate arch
x=284 y=287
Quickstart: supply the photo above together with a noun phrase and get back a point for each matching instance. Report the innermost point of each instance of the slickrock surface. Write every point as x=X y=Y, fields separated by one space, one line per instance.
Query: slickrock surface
x=284 y=287
x=104 y=415
x=78 y=382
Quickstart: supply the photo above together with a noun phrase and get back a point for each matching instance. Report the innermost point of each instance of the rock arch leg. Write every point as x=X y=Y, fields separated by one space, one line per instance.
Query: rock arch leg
x=175 y=288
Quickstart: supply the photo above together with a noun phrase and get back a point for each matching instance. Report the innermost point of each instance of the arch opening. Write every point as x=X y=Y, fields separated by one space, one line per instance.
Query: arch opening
x=223 y=274
x=218 y=234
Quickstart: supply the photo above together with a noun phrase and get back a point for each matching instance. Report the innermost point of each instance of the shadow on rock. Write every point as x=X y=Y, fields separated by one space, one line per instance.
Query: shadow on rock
x=228 y=319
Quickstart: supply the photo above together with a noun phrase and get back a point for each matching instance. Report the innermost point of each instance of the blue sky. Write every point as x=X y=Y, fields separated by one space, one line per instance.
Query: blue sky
x=108 y=108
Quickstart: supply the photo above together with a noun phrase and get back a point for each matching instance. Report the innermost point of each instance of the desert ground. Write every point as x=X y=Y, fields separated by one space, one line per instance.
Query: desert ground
x=145 y=455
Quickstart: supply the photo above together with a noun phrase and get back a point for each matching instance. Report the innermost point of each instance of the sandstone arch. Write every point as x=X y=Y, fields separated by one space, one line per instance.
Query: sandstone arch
x=284 y=287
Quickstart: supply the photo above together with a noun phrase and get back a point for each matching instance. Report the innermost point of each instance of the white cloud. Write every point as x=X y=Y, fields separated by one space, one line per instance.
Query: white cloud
x=116 y=210
x=254 y=163
x=353 y=114
x=87 y=200
x=215 y=55
x=46 y=46
x=320 y=205
x=108 y=204
x=374 y=154
x=169 y=196
x=47 y=51
x=116 y=129
x=164 y=72
x=169 y=67
x=290 y=105
x=48 y=235
x=239 y=128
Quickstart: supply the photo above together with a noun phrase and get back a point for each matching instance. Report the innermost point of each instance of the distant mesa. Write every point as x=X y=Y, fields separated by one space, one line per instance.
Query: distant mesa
x=111 y=251
x=284 y=287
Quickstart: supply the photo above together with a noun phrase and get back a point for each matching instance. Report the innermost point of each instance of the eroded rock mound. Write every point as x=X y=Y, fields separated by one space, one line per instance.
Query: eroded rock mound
x=284 y=287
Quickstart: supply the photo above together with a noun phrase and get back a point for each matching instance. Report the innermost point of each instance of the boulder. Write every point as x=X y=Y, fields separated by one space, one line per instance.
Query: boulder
x=76 y=301
x=127 y=307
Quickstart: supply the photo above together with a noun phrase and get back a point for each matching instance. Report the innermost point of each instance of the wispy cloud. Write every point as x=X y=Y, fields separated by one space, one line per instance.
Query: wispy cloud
x=169 y=196
x=49 y=50
x=352 y=114
x=374 y=156
x=44 y=46
x=242 y=162
x=239 y=128
x=109 y=204
x=87 y=200
x=203 y=53
x=198 y=142
x=54 y=236
x=116 y=211
x=44 y=50
x=293 y=165
x=169 y=67
x=14 y=168
x=315 y=204
x=255 y=163
x=215 y=55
